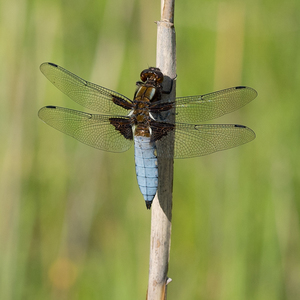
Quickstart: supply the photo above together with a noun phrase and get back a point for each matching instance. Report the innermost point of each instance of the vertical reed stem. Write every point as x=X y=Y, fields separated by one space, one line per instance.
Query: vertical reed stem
x=160 y=241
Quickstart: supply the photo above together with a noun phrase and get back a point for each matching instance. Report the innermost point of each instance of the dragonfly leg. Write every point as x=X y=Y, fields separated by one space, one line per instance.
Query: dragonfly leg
x=171 y=85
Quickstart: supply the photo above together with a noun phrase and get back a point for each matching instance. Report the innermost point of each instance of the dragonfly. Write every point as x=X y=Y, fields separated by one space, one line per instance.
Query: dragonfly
x=147 y=121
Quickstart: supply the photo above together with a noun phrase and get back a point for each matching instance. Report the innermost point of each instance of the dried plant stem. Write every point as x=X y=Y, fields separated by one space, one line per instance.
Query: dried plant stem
x=162 y=205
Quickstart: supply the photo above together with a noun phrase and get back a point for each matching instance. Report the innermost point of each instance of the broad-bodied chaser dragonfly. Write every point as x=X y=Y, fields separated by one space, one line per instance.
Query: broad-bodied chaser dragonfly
x=123 y=121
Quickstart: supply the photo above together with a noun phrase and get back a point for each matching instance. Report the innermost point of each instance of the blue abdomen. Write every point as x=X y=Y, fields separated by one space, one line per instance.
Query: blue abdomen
x=146 y=167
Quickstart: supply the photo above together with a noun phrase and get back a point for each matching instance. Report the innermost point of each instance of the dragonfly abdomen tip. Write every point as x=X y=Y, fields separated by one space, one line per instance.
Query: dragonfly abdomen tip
x=148 y=204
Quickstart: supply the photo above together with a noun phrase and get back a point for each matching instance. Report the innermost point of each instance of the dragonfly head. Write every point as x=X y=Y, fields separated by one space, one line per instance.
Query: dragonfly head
x=152 y=74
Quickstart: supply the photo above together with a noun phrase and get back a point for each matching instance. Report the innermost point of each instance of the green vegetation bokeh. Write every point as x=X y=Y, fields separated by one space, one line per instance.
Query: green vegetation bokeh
x=73 y=224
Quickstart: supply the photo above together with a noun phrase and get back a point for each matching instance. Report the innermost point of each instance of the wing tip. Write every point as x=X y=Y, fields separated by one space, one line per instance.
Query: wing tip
x=43 y=109
x=43 y=65
x=249 y=89
x=249 y=130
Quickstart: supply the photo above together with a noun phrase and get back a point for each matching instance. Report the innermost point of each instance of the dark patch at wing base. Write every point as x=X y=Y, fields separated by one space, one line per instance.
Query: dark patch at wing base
x=121 y=102
x=123 y=126
x=158 y=107
x=160 y=129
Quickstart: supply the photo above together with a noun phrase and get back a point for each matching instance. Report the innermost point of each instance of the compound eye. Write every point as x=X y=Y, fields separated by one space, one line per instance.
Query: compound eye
x=159 y=77
x=144 y=75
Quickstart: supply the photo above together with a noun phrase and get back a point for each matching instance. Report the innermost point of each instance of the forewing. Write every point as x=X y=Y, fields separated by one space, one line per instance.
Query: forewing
x=195 y=109
x=85 y=93
x=197 y=140
x=93 y=130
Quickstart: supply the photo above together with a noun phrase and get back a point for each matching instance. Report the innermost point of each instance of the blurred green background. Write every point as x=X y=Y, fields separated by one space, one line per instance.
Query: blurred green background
x=73 y=224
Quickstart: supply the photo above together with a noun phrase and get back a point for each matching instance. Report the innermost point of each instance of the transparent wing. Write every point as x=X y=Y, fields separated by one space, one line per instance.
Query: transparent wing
x=195 y=109
x=93 y=130
x=85 y=93
x=197 y=140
